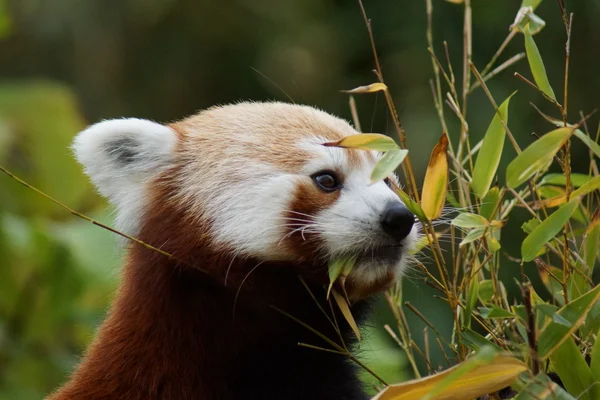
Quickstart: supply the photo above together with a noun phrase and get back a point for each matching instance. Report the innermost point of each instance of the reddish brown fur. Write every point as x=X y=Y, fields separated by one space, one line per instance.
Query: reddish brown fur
x=171 y=332
x=177 y=330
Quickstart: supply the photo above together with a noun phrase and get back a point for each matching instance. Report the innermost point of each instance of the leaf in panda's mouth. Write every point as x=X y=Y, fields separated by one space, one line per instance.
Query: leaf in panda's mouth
x=339 y=268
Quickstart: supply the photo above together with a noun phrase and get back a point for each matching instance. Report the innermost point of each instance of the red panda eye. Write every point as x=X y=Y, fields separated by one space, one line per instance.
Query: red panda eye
x=326 y=181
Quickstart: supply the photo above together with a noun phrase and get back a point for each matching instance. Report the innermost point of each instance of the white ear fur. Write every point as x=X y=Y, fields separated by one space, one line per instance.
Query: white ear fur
x=121 y=156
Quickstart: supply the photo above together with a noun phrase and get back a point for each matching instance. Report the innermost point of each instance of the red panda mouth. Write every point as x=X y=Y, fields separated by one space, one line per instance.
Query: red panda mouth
x=381 y=255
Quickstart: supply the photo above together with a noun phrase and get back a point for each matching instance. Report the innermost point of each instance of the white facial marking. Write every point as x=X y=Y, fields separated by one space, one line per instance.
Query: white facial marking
x=121 y=157
x=353 y=223
x=245 y=204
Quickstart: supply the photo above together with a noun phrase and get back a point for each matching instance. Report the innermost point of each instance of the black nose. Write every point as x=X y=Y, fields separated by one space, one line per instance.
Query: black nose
x=397 y=221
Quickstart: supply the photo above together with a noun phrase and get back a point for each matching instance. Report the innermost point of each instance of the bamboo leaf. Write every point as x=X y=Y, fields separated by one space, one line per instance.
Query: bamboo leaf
x=486 y=372
x=577 y=180
x=387 y=164
x=372 y=88
x=365 y=141
x=545 y=231
x=536 y=157
x=595 y=363
x=495 y=312
x=550 y=311
x=576 y=376
x=412 y=205
x=436 y=180
x=531 y=3
x=542 y=388
x=490 y=203
x=338 y=269
x=592 y=241
x=475 y=341
x=469 y=220
x=345 y=309
x=472 y=236
x=588 y=141
x=472 y=295
x=422 y=242
x=588 y=187
x=554 y=334
x=489 y=155
x=486 y=290
x=537 y=64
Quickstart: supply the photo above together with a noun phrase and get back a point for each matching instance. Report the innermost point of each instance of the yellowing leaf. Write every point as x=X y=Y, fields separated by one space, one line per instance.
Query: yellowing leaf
x=536 y=157
x=475 y=377
x=345 y=309
x=549 y=228
x=488 y=158
x=537 y=64
x=374 y=87
x=388 y=164
x=588 y=187
x=436 y=180
x=365 y=141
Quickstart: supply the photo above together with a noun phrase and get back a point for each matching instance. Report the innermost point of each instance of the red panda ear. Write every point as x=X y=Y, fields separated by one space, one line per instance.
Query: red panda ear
x=121 y=156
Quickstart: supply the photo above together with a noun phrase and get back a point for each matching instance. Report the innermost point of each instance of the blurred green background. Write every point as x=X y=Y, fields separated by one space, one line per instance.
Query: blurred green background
x=65 y=64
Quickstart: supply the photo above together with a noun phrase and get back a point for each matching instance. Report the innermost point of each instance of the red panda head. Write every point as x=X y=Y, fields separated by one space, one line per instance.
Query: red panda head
x=258 y=176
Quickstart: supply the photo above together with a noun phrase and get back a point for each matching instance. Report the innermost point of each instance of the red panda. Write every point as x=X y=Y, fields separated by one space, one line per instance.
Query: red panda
x=246 y=199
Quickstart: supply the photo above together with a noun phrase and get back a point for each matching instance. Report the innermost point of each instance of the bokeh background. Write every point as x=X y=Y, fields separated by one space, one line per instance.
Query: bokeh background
x=65 y=64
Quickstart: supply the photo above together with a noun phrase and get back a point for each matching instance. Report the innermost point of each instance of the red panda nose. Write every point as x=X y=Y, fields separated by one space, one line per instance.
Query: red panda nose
x=397 y=221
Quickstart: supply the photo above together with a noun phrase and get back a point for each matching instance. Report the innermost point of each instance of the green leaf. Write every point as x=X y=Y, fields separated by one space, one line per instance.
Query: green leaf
x=595 y=363
x=592 y=242
x=489 y=155
x=577 y=180
x=472 y=295
x=536 y=157
x=495 y=312
x=387 y=164
x=549 y=228
x=490 y=203
x=472 y=236
x=588 y=187
x=412 y=205
x=365 y=141
x=339 y=268
x=575 y=374
x=537 y=64
x=589 y=142
x=549 y=310
x=554 y=334
x=469 y=220
x=486 y=290
x=531 y=3
x=543 y=388
x=530 y=225
x=475 y=341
